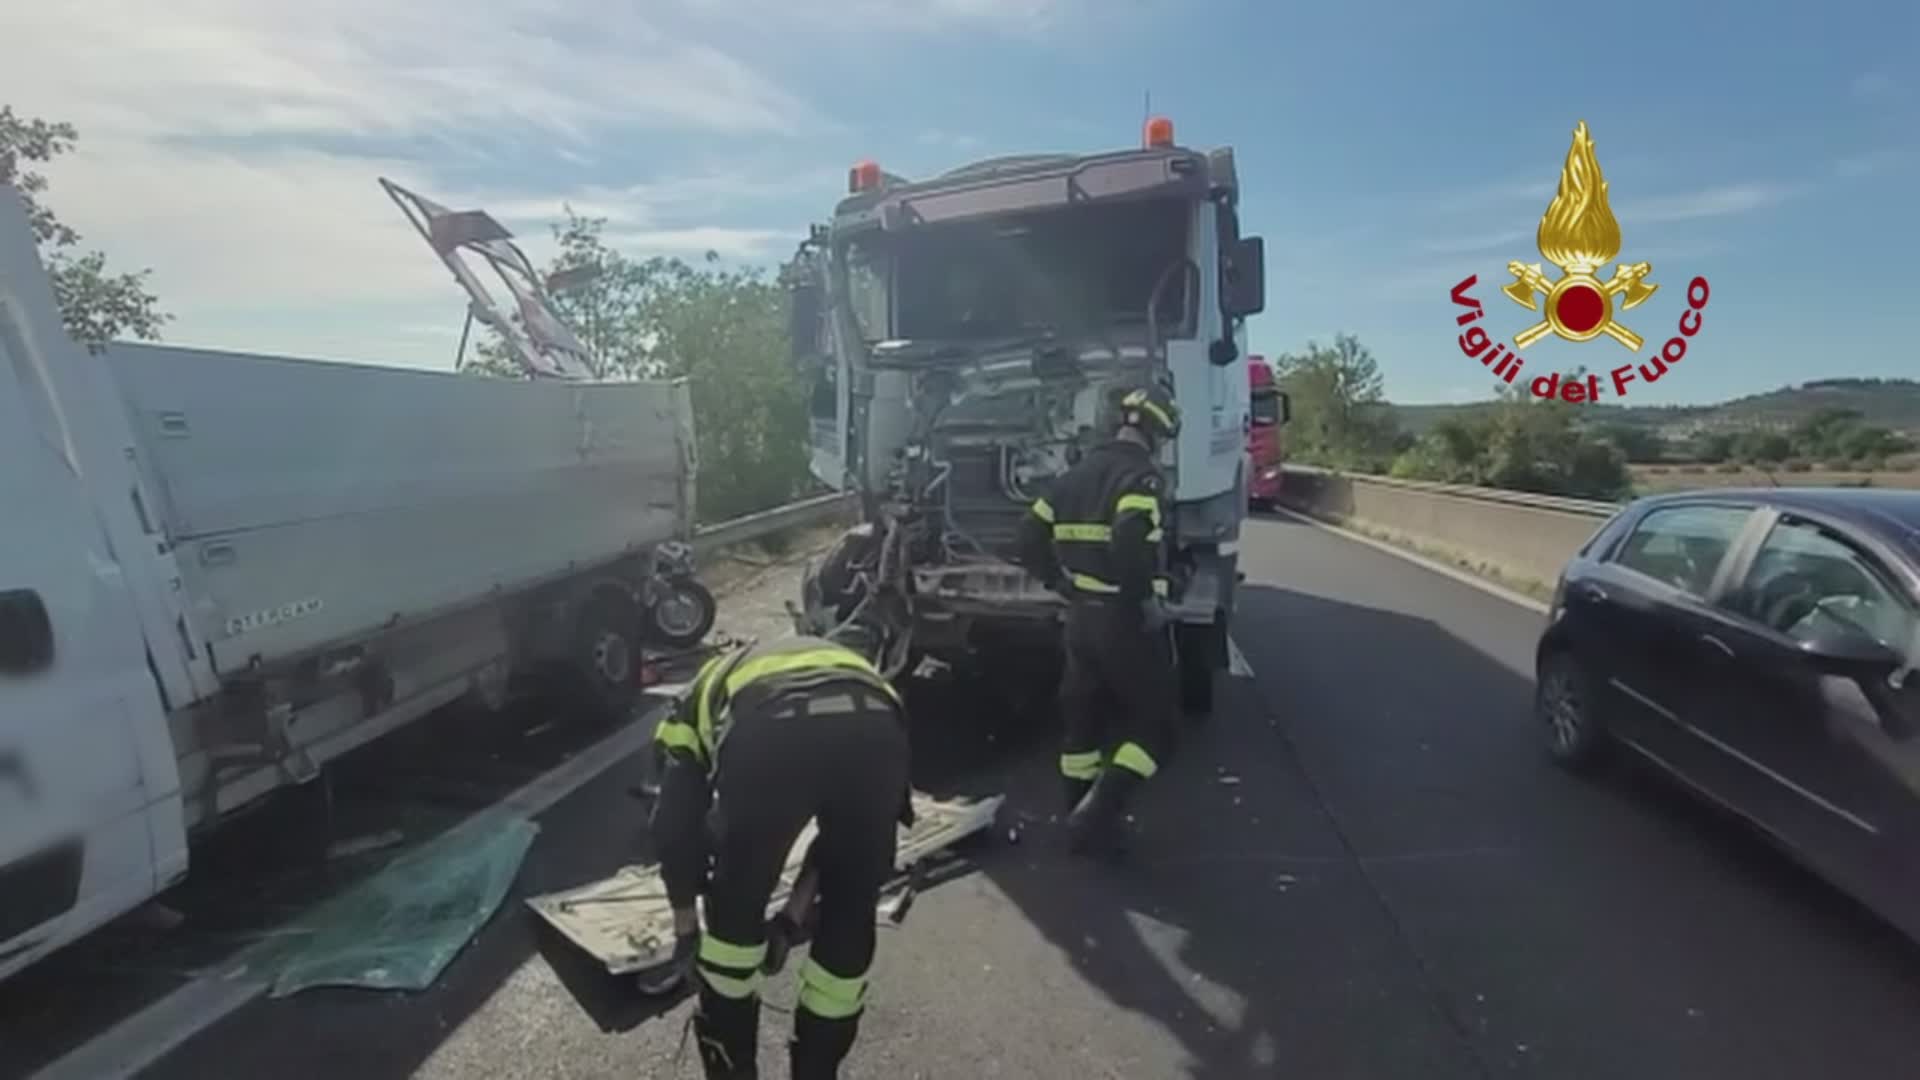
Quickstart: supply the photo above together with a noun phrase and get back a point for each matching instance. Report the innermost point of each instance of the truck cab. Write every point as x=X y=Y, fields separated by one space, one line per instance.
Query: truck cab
x=90 y=817
x=968 y=337
x=1270 y=410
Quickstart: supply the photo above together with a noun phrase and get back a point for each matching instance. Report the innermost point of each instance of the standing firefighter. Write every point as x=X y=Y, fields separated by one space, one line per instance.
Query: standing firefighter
x=766 y=739
x=1097 y=541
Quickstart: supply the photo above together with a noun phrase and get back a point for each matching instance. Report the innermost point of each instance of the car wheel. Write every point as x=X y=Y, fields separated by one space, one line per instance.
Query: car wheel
x=1568 y=712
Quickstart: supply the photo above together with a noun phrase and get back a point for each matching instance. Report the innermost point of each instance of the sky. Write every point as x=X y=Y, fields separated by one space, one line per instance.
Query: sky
x=1385 y=151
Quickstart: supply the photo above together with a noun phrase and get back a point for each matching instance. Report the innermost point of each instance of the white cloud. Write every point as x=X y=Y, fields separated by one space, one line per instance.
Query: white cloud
x=1709 y=202
x=375 y=67
x=1873 y=163
x=948 y=140
x=1871 y=86
x=1489 y=241
x=752 y=244
x=217 y=147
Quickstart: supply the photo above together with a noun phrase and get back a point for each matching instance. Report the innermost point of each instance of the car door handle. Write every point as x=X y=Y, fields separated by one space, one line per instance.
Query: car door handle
x=1709 y=639
x=1589 y=591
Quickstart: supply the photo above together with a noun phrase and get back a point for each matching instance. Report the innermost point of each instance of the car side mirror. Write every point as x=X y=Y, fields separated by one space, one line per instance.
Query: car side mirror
x=805 y=301
x=1244 y=285
x=1839 y=650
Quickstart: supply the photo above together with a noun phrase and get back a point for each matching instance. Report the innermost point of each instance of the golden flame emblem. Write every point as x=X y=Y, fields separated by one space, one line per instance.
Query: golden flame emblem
x=1578 y=234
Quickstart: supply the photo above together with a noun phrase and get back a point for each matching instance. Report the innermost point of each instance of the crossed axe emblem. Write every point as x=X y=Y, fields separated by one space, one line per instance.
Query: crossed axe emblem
x=1627 y=279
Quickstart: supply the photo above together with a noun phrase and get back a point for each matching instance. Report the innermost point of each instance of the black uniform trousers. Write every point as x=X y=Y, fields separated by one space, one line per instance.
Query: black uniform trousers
x=837 y=754
x=1119 y=693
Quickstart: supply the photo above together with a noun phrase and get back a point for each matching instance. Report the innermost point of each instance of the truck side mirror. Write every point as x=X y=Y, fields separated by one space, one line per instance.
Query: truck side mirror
x=803 y=321
x=1244 y=284
x=1286 y=407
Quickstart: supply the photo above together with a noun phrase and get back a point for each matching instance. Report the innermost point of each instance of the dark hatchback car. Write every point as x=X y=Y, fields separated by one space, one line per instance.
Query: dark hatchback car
x=1759 y=645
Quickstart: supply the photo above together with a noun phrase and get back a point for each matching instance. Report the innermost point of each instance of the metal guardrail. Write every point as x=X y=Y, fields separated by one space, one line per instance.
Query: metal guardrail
x=813 y=511
x=1525 y=539
x=1590 y=507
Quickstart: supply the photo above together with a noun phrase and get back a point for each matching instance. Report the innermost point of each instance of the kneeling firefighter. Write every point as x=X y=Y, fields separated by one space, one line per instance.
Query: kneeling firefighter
x=764 y=740
x=1096 y=540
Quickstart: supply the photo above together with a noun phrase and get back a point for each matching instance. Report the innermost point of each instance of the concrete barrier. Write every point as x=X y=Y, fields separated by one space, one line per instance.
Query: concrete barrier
x=1523 y=540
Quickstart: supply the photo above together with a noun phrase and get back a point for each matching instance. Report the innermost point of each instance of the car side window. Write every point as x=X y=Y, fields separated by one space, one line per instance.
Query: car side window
x=1805 y=580
x=1683 y=545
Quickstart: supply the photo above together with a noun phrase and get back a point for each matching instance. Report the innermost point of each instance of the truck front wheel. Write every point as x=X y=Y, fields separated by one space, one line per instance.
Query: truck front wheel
x=1198 y=650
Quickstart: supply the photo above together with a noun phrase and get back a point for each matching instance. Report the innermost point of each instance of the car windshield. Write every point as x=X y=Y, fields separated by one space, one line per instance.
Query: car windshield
x=1075 y=270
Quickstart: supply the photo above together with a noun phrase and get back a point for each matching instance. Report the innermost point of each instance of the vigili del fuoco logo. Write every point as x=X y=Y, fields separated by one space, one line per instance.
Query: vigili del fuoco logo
x=1579 y=235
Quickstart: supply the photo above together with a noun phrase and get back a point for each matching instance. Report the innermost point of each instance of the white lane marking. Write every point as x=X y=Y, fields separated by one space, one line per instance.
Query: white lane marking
x=142 y=1039
x=1237 y=665
x=1454 y=572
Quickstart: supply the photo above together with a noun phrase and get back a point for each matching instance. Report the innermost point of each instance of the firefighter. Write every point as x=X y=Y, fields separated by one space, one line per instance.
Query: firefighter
x=765 y=739
x=1096 y=541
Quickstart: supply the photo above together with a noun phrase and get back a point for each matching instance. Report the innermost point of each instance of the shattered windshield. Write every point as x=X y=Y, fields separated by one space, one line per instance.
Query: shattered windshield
x=1082 y=269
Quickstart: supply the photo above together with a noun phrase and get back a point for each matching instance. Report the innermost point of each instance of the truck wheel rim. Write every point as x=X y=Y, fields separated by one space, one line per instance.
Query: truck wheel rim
x=1563 y=710
x=611 y=658
x=679 y=612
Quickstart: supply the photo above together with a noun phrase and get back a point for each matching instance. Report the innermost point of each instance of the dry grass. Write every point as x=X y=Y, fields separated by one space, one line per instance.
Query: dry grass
x=1651 y=479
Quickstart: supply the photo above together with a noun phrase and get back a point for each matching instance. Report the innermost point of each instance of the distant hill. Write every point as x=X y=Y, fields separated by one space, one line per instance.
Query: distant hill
x=1890 y=403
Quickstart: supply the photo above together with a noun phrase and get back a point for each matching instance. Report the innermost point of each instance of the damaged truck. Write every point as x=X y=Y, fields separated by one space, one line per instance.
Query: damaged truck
x=219 y=572
x=968 y=337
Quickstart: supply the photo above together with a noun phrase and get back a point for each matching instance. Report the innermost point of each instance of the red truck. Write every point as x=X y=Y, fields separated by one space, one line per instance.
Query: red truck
x=1269 y=409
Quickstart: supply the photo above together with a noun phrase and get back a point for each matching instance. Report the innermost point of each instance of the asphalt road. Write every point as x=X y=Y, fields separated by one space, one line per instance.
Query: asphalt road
x=1361 y=866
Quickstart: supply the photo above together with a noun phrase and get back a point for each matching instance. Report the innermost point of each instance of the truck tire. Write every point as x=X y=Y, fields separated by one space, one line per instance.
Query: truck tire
x=605 y=652
x=682 y=615
x=1197 y=651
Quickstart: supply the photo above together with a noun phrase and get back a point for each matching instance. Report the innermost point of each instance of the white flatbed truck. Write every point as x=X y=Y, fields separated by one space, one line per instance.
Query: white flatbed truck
x=221 y=571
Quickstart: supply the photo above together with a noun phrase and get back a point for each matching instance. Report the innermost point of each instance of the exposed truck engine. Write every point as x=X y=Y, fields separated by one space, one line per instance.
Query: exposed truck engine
x=969 y=336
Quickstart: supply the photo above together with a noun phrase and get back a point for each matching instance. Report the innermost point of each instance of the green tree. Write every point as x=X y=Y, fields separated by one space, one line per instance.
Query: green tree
x=1825 y=433
x=96 y=304
x=1763 y=447
x=723 y=330
x=1521 y=443
x=1641 y=445
x=1713 y=447
x=1340 y=416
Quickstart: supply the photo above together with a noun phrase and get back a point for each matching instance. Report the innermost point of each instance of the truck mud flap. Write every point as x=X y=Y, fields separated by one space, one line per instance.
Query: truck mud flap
x=625 y=922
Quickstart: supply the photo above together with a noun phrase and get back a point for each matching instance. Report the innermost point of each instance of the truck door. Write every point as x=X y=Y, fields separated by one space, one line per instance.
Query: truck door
x=76 y=695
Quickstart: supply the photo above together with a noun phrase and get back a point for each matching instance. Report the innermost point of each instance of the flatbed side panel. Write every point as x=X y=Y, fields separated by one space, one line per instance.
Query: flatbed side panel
x=315 y=502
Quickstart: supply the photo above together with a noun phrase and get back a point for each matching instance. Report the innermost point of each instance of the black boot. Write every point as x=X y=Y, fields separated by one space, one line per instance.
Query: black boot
x=819 y=1045
x=728 y=1031
x=1096 y=826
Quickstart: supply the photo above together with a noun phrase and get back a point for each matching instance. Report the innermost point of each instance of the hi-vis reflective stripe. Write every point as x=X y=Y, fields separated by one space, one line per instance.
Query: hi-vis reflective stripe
x=1130 y=756
x=1139 y=400
x=1081 y=766
x=1093 y=584
x=729 y=986
x=1159 y=586
x=1043 y=510
x=747 y=670
x=764 y=666
x=1156 y=536
x=1098 y=534
x=829 y=996
x=1145 y=504
x=675 y=735
x=723 y=953
x=719 y=953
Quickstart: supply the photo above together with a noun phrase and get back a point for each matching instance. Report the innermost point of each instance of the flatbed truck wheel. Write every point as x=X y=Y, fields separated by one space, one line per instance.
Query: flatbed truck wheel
x=605 y=654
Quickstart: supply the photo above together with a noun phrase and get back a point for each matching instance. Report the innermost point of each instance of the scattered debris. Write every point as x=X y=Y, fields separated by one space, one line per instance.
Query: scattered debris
x=625 y=921
x=361 y=845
